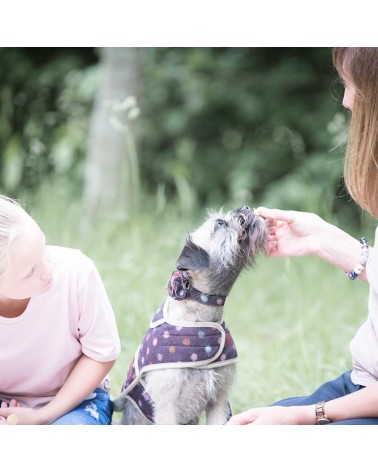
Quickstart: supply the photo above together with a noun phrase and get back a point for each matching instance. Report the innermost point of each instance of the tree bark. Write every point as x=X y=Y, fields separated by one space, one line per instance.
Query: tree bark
x=109 y=180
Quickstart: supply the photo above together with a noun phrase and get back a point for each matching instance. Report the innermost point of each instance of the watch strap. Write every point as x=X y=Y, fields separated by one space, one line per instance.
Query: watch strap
x=320 y=416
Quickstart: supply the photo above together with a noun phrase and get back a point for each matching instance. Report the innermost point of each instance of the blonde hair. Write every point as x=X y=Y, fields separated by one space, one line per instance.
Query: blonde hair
x=360 y=67
x=12 y=220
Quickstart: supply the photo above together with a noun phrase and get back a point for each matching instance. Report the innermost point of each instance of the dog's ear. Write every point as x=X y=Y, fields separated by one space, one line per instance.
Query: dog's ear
x=193 y=257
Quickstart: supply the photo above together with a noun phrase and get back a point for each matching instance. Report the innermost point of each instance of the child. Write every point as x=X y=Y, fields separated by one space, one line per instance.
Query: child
x=58 y=334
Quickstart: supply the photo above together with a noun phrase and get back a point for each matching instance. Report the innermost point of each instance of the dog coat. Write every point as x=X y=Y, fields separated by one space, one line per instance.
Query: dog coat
x=199 y=345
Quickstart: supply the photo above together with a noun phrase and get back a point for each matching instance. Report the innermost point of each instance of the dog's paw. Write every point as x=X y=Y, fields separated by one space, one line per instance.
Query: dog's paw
x=119 y=403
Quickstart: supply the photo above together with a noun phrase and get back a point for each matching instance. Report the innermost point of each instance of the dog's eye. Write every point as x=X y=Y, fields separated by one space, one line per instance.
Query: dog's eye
x=219 y=224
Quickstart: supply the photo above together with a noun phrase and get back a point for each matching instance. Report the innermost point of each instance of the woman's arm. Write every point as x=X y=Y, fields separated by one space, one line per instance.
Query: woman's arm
x=294 y=233
x=360 y=404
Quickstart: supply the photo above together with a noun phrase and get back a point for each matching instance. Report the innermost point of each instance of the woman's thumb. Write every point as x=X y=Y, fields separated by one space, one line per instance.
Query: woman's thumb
x=275 y=214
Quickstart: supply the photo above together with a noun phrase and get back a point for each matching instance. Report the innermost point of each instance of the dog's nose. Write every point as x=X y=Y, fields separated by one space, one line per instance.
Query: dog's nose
x=245 y=208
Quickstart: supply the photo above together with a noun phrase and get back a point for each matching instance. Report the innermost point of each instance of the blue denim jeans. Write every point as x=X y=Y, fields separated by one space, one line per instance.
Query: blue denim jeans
x=337 y=388
x=96 y=411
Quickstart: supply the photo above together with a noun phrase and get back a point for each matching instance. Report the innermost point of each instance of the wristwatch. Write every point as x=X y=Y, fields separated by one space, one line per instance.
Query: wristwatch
x=320 y=416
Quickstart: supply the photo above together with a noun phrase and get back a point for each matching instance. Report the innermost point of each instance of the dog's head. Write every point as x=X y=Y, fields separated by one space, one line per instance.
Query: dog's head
x=221 y=247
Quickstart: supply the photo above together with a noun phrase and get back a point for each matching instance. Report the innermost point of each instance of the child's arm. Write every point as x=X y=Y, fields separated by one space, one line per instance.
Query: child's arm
x=83 y=379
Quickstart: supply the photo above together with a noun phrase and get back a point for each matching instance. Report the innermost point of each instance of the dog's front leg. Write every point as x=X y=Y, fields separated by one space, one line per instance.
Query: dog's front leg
x=164 y=389
x=164 y=415
x=218 y=413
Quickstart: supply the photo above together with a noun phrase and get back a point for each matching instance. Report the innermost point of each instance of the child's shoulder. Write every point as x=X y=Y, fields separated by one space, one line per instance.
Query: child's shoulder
x=68 y=256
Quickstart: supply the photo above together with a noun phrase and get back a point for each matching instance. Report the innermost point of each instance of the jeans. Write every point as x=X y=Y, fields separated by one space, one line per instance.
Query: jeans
x=96 y=411
x=329 y=391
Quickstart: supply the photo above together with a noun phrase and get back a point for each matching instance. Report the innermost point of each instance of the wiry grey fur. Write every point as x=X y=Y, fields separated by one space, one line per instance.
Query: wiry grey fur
x=214 y=255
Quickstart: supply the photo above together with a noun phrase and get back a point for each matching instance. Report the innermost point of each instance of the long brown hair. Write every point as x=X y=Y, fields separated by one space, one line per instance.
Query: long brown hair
x=359 y=66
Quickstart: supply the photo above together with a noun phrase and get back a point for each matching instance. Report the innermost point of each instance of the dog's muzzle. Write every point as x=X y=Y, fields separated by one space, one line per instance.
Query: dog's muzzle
x=246 y=219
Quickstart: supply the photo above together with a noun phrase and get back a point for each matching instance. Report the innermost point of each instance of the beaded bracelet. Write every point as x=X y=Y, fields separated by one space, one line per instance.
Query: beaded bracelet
x=361 y=265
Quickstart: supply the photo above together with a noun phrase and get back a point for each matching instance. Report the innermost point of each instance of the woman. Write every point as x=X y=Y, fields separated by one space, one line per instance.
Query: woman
x=353 y=397
x=58 y=335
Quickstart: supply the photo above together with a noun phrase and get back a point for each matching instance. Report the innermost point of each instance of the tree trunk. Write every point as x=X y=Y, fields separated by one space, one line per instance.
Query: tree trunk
x=111 y=179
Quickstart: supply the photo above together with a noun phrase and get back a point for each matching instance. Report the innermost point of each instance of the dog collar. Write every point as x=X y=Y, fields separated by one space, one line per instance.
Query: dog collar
x=180 y=288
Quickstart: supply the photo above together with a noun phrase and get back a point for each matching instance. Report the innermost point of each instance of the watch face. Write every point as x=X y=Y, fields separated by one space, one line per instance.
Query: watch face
x=324 y=421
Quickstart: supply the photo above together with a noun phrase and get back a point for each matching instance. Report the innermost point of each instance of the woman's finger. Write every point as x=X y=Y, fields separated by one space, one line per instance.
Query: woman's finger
x=275 y=214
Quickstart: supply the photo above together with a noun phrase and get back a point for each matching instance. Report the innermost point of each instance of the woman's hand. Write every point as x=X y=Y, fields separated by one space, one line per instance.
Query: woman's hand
x=293 y=233
x=296 y=233
x=275 y=415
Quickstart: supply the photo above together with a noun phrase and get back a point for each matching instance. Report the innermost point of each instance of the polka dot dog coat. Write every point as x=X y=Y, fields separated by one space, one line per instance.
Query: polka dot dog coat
x=199 y=345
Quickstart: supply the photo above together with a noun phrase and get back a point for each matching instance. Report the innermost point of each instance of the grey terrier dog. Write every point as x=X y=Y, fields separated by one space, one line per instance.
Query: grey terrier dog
x=186 y=363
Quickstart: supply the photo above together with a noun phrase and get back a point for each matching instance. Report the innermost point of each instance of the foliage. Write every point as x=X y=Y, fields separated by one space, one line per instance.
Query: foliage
x=45 y=102
x=240 y=124
x=217 y=126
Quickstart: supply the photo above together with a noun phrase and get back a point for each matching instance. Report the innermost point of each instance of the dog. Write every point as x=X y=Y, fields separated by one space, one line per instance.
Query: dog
x=186 y=364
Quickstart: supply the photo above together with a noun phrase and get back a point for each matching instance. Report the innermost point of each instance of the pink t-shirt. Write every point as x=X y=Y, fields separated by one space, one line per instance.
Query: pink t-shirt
x=39 y=348
x=364 y=345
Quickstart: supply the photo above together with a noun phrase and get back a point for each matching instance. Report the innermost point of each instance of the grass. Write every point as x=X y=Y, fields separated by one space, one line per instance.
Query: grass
x=291 y=319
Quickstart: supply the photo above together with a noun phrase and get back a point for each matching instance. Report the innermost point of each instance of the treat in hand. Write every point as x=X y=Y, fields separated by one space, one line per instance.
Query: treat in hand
x=12 y=419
